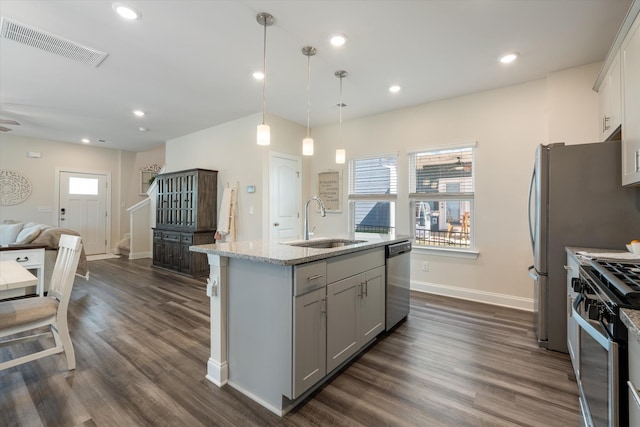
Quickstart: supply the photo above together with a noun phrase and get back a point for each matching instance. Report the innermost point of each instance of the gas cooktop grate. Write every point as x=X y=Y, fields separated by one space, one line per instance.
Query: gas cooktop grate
x=625 y=277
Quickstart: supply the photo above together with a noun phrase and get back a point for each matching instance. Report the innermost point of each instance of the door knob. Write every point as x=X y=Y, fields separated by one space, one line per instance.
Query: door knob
x=276 y=224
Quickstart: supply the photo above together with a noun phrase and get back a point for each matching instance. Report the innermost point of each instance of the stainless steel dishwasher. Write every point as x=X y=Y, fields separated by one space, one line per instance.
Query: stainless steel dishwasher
x=398 y=267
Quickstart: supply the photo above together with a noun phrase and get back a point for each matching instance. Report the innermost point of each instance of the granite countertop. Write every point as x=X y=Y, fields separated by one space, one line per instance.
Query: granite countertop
x=284 y=254
x=573 y=250
x=631 y=318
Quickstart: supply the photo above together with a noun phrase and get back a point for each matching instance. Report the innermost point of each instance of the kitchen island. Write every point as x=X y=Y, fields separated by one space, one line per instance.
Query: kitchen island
x=285 y=317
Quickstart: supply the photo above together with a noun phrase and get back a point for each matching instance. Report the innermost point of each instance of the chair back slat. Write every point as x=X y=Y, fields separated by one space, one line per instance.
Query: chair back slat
x=65 y=268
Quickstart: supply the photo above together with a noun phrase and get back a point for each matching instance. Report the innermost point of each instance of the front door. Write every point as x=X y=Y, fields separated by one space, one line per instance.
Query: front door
x=83 y=208
x=284 y=197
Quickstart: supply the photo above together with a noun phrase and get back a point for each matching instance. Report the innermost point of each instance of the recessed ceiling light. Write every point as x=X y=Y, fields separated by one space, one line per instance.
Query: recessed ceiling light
x=394 y=89
x=509 y=57
x=86 y=140
x=138 y=113
x=258 y=75
x=338 y=39
x=141 y=129
x=127 y=12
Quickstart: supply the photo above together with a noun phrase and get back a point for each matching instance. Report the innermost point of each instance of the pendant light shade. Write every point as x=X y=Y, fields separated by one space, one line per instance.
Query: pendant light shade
x=307 y=143
x=307 y=147
x=264 y=134
x=263 y=131
x=341 y=154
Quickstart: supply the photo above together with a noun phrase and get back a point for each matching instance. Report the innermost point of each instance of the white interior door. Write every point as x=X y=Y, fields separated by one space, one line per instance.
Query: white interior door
x=284 y=197
x=83 y=208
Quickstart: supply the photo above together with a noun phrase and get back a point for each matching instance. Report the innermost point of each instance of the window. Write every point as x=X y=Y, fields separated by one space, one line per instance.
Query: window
x=441 y=196
x=373 y=188
x=83 y=186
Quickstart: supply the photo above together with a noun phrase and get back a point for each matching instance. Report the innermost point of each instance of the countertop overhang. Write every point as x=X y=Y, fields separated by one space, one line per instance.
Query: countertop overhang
x=286 y=254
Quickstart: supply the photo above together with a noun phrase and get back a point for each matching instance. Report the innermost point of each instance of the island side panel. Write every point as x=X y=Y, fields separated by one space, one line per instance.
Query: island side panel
x=217 y=366
x=260 y=311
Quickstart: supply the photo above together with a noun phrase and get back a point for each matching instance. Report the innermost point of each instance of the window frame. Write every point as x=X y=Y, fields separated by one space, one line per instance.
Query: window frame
x=353 y=198
x=416 y=197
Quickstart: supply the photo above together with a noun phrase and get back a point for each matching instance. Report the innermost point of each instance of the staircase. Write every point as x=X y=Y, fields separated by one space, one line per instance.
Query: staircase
x=124 y=246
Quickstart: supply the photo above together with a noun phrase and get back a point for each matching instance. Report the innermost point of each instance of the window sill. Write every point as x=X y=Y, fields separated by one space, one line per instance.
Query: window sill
x=447 y=252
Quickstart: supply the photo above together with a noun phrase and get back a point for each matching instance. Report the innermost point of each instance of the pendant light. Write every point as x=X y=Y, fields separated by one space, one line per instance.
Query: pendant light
x=307 y=143
x=341 y=154
x=264 y=132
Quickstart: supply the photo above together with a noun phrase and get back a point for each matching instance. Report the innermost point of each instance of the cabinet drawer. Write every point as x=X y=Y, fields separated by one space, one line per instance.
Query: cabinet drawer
x=26 y=257
x=634 y=360
x=186 y=238
x=308 y=277
x=157 y=235
x=171 y=237
x=344 y=266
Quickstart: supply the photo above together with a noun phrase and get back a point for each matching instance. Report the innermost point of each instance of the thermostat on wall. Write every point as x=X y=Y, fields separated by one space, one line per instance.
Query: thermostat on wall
x=251 y=188
x=34 y=154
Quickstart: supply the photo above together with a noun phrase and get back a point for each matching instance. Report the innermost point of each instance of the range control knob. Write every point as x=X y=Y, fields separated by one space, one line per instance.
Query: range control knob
x=595 y=310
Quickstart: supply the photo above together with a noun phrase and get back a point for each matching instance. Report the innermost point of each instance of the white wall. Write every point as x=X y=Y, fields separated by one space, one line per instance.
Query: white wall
x=41 y=172
x=231 y=149
x=124 y=167
x=573 y=105
x=507 y=124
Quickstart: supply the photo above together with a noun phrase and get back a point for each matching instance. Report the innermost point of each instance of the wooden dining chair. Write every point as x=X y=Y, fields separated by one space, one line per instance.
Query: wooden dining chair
x=32 y=314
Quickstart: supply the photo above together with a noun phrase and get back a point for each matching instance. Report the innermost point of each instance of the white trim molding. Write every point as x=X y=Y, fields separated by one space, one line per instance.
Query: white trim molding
x=473 y=295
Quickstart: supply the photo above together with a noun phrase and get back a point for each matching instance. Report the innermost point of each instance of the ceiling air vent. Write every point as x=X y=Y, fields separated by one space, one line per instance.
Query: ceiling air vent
x=48 y=42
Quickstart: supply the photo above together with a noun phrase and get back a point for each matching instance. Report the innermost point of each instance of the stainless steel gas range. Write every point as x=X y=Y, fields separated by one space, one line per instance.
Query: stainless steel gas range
x=604 y=287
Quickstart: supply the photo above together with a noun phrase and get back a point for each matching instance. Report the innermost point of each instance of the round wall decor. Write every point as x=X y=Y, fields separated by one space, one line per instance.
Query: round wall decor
x=14 y=187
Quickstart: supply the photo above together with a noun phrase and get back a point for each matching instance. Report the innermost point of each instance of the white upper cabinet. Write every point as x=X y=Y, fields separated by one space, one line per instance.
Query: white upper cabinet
x=618 y=85
x=630 y=64
x=610 y=100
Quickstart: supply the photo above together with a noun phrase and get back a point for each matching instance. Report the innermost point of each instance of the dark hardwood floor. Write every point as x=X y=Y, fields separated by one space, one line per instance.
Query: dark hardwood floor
x=141 y=337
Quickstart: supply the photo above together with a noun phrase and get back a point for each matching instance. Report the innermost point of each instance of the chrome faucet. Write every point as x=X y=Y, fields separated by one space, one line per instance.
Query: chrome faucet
x=306 y=214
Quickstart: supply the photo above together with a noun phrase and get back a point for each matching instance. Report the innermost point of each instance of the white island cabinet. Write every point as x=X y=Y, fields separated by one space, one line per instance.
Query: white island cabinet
x=285 y=318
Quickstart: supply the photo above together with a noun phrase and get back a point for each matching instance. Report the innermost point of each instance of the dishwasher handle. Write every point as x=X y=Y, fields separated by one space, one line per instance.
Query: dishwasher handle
x=397 y=249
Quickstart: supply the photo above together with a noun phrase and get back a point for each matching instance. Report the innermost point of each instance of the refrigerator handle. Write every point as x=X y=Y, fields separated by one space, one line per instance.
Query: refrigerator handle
x=531 y=186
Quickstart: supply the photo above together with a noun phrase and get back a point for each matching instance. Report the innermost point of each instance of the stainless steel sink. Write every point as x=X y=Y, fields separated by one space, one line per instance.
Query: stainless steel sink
x=326 y=243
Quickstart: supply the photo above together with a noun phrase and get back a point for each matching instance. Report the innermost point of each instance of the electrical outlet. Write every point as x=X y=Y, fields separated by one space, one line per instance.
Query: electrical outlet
x=425 y=266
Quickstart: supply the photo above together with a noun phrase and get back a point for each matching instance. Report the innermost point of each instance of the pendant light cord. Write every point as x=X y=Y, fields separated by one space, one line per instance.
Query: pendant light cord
x=308 y=91
x=340 y=135
x=264 y=71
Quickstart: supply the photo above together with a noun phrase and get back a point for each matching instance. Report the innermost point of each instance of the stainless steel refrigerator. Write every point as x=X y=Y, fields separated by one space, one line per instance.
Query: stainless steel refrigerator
x=576 y=199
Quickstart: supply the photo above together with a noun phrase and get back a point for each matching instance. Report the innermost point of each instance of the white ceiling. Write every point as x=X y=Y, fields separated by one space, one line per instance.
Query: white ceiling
x=188 y=64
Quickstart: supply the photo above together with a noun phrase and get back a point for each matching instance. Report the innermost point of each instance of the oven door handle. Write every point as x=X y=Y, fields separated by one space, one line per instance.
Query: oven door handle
x=604 y=340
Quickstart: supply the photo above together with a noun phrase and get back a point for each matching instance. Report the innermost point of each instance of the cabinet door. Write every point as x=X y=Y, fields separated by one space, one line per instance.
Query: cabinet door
x=634 y=380
x=342 y=320
x=171 y=251
x=372 y=305
x=573 y=331
x=158 y=253
x=309 y=341
x=188 y=201
x=610 y=100
x=631 y=106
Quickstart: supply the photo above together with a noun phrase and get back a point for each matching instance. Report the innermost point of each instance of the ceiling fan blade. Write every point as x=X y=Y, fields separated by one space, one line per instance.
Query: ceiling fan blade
x=4 y=129
x=9 y=122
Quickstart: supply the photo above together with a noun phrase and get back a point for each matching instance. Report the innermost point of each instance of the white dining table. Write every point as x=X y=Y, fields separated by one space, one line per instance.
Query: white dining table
x=13 y=275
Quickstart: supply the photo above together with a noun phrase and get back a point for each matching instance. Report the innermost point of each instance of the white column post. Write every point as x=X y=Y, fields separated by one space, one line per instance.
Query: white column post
x=217 y=285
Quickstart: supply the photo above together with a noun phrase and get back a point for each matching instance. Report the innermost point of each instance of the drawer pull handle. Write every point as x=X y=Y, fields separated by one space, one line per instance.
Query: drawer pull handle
x=25 y=259
x=317 y=276
x=634 y=392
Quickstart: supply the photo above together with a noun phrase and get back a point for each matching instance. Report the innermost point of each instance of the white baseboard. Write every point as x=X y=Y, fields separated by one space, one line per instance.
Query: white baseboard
x=473 y=295
x=139 y=255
